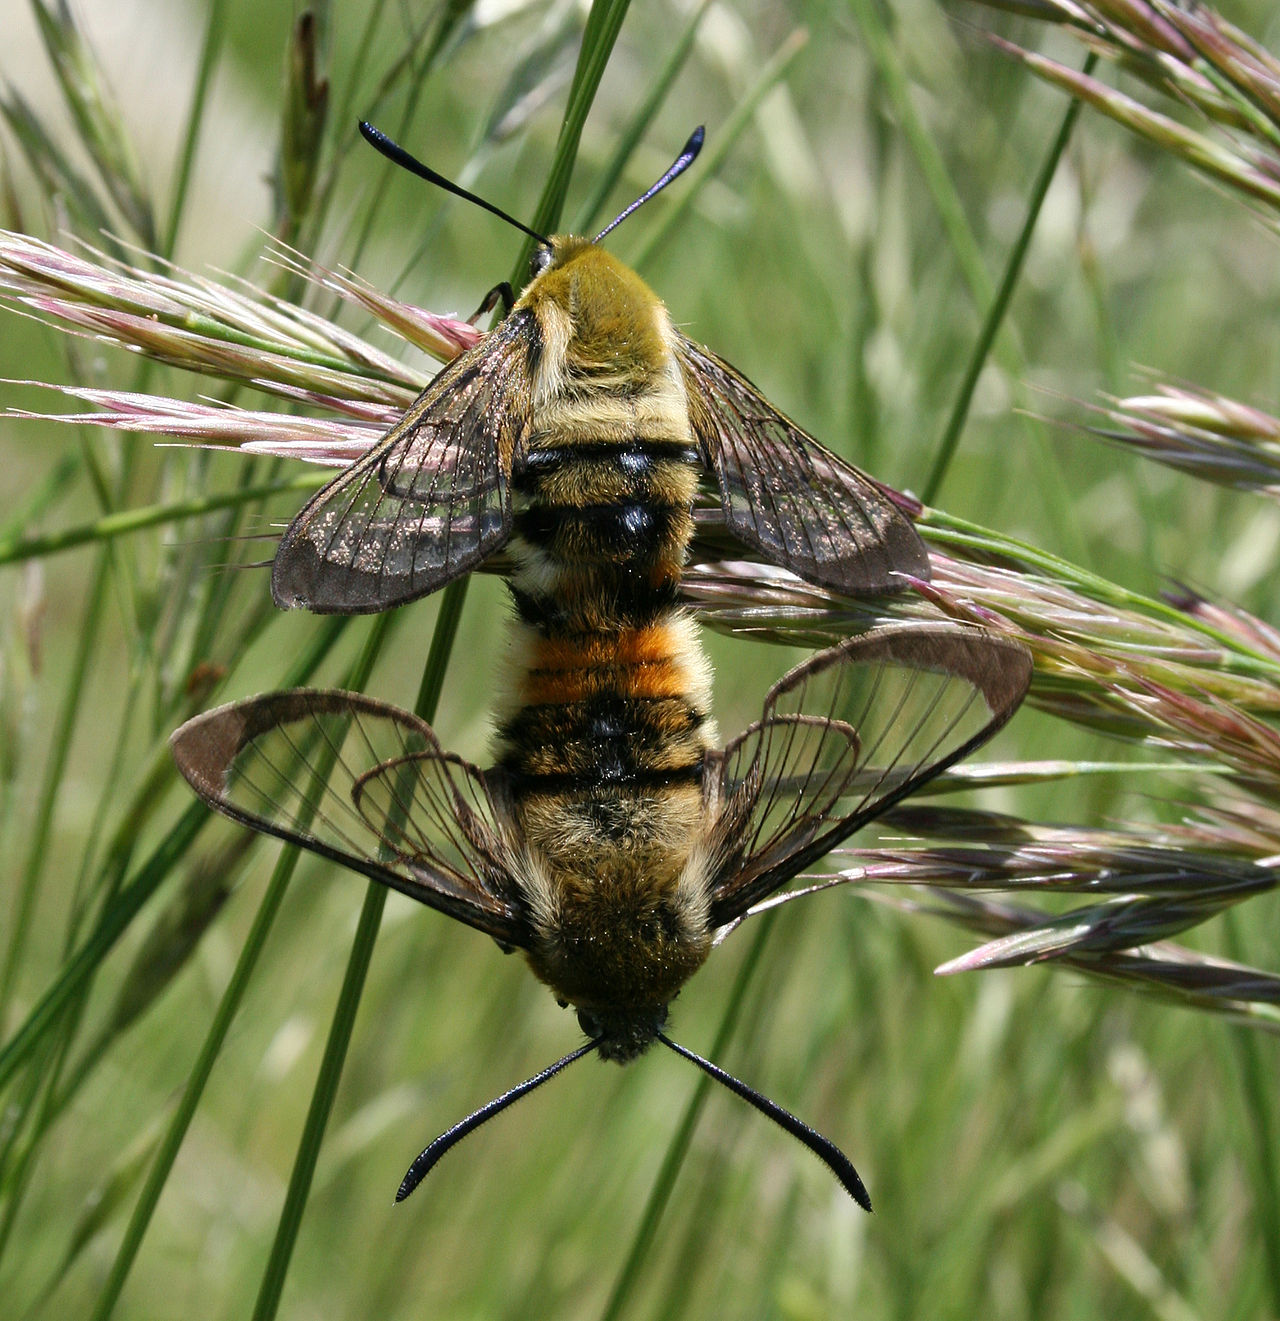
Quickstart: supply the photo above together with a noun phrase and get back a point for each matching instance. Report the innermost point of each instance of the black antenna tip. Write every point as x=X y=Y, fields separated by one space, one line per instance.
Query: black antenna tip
x=428 y=1158
x=377 y=139
x=826 y=1151
x=688 y=154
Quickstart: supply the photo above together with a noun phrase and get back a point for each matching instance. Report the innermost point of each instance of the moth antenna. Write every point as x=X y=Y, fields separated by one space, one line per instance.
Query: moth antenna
x=687 y=156
x=836 y=1161
x=427 y=1160
x=394 y=152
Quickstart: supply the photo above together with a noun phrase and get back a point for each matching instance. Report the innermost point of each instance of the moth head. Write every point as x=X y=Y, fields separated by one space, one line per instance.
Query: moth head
x=594 y=313
x=543 y=256
x=559 y=250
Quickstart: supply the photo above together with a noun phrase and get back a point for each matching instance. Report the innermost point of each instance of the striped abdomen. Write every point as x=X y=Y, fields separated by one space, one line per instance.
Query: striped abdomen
x=611 y=689
x=607 y=731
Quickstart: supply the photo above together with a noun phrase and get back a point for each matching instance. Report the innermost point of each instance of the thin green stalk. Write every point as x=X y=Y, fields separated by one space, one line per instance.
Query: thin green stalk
x=44 y=1080
x=112 y=497
x=68 y=1023
x=55 y=173
x=91 y=462
x=65 y=1024
x=197 y=1079
x=599 y=35
x=342 y=137
x=678 y=1148
x=598 y=38
x=49 y=1078
x=639 y=123
x=47 y=490
x=322 y=1097
x=446 y=630
x=946 y=201
x=339 y=1039
x=119 y=850
x=217 y=589
x=80 y=892
x=688 y=1265
x=995 y=315
x=17 y=549
x=112 y=924
x=213 y=34
x=714 y=155
x=115 y=862
x=59 y=748
x=1255 y=1059
x=928 y=158
x=344 y=115
x=18 y=1107
x=228 y=1007
x=440 y=30
x=127 y=904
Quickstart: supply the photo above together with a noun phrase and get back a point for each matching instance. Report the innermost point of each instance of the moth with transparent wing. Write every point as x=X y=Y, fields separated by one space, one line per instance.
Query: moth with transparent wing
x=606 y=919
x=586 y=408
x=431 y=502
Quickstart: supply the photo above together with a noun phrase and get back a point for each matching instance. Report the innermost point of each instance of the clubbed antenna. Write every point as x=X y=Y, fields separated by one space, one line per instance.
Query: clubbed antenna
x=836 y=1161
x=394 y=152
x=678 y=167
x=426 y=1162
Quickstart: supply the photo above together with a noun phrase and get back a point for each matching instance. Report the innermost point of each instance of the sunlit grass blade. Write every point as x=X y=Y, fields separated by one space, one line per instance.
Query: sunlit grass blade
x=1195 y=58
x=97 y=117
x=1198 y=432
x=236 y=332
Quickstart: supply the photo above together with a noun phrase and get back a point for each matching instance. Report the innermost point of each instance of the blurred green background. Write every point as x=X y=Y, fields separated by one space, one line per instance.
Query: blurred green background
x=1035 y=1146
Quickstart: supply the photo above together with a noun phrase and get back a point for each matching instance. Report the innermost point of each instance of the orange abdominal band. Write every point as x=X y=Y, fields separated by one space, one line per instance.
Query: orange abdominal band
x=638 y=662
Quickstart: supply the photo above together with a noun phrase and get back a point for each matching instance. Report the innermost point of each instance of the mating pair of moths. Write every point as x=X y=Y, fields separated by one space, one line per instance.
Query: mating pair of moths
x=613 y=840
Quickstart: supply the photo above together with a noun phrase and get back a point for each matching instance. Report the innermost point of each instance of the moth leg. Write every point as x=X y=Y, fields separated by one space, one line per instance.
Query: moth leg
x=500 y=293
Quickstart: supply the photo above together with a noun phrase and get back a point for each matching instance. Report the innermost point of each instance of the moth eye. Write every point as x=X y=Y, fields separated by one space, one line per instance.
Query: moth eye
x=539 y=262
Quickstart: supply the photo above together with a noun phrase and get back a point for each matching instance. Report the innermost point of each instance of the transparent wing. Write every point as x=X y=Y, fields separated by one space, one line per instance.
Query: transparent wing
x=428 y=503
x=846 y=735
x=787 y=496
x=366 y=785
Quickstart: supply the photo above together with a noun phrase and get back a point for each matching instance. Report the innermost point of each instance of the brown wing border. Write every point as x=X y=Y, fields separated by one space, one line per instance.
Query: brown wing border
x=206 y=747
x=997 y=668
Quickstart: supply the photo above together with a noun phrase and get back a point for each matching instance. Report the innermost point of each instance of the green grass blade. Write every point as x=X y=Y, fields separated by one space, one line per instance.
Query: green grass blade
x=228 y=1007
x=603 y=25
x=14 y=550
x=589 y=213
x=722 y=143
x=111 y=925
x=193 y=1088
x=127 y=904
x=995 y=314
x=322 y=1097
x=678 y=1148
x=339 y=1039
x=924 y=149
x=1255 y=1059
x=214 y=32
